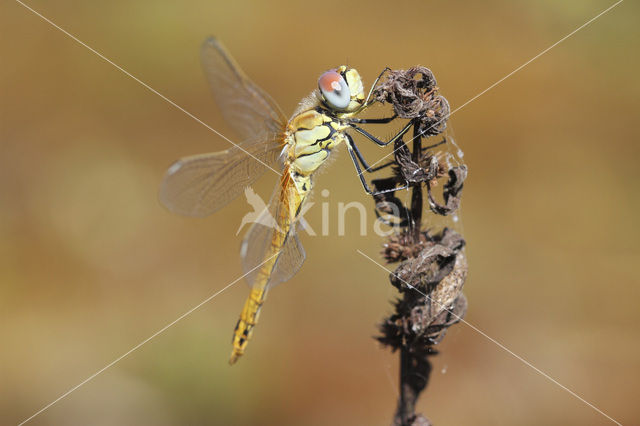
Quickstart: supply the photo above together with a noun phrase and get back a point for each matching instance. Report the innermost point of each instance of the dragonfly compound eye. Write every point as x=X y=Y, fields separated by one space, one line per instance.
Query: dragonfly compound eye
x=334 y=89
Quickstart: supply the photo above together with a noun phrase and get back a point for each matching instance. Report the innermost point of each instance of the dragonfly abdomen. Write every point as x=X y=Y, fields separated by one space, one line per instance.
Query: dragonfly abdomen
x=290 y=203
x=248 y=319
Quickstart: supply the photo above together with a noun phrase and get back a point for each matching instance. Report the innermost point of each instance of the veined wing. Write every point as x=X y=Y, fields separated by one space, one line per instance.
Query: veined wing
x=201 y=184
x=257 y=246
x=247 y=109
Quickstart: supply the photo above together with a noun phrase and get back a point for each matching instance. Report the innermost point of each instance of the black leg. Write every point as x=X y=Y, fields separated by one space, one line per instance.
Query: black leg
x=367 y=167
x=377 y=141
x=356 y=157
x=373 y=120
x=355 y=149
x=385 y=165
x=373 y=86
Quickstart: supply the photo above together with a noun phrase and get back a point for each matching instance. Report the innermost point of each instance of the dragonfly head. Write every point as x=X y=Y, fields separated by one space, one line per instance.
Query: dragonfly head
x=341 y=89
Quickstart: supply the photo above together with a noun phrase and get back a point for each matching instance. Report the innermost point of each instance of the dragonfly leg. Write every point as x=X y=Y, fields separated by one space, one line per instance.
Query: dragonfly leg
x=373 y=86
x=389 y=163
x=357 y=158
x=355 y=149
x=373 y=120
x=377 y=141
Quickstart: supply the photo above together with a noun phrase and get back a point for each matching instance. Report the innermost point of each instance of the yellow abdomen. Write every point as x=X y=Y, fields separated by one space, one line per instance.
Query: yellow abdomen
x=310 y=136
x=290 y=201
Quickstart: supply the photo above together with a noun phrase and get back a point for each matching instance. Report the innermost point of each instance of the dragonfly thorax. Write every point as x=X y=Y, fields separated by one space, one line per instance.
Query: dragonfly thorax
x=311 y=136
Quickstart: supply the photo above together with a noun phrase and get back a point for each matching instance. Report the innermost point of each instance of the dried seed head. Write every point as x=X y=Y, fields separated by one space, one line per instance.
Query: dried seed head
x=451 y=192
x=402 y=246
x=413 y=94
x=431 y=281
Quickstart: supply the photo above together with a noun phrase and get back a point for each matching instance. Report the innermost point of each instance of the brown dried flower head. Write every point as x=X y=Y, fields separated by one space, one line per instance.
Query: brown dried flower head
x=413 y=94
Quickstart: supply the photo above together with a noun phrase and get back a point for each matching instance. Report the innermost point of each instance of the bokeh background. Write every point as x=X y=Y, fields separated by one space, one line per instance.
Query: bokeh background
x=91 y=264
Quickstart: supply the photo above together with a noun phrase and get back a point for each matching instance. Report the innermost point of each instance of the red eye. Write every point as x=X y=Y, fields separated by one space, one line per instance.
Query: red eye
x=334 y=89
x=330 y=81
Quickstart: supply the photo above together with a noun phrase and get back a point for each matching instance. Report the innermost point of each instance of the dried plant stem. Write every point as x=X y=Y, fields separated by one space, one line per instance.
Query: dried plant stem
x=432 y=266
x=416 y=190
x=414 y=377
x=414 y=372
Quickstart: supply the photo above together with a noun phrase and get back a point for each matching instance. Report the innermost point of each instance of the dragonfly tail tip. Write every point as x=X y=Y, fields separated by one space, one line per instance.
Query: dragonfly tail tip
x=234 y=358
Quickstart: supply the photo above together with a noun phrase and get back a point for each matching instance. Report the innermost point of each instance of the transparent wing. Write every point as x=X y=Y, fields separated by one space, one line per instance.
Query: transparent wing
x=202 y=184
x=247 y=109
x=290 y=260
x=257 y=247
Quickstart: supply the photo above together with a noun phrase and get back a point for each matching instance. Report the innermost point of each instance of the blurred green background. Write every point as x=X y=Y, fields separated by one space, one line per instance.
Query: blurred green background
x=91 y=264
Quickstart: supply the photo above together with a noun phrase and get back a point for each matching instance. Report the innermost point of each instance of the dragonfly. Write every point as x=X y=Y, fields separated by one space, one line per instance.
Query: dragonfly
x=297 y=147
